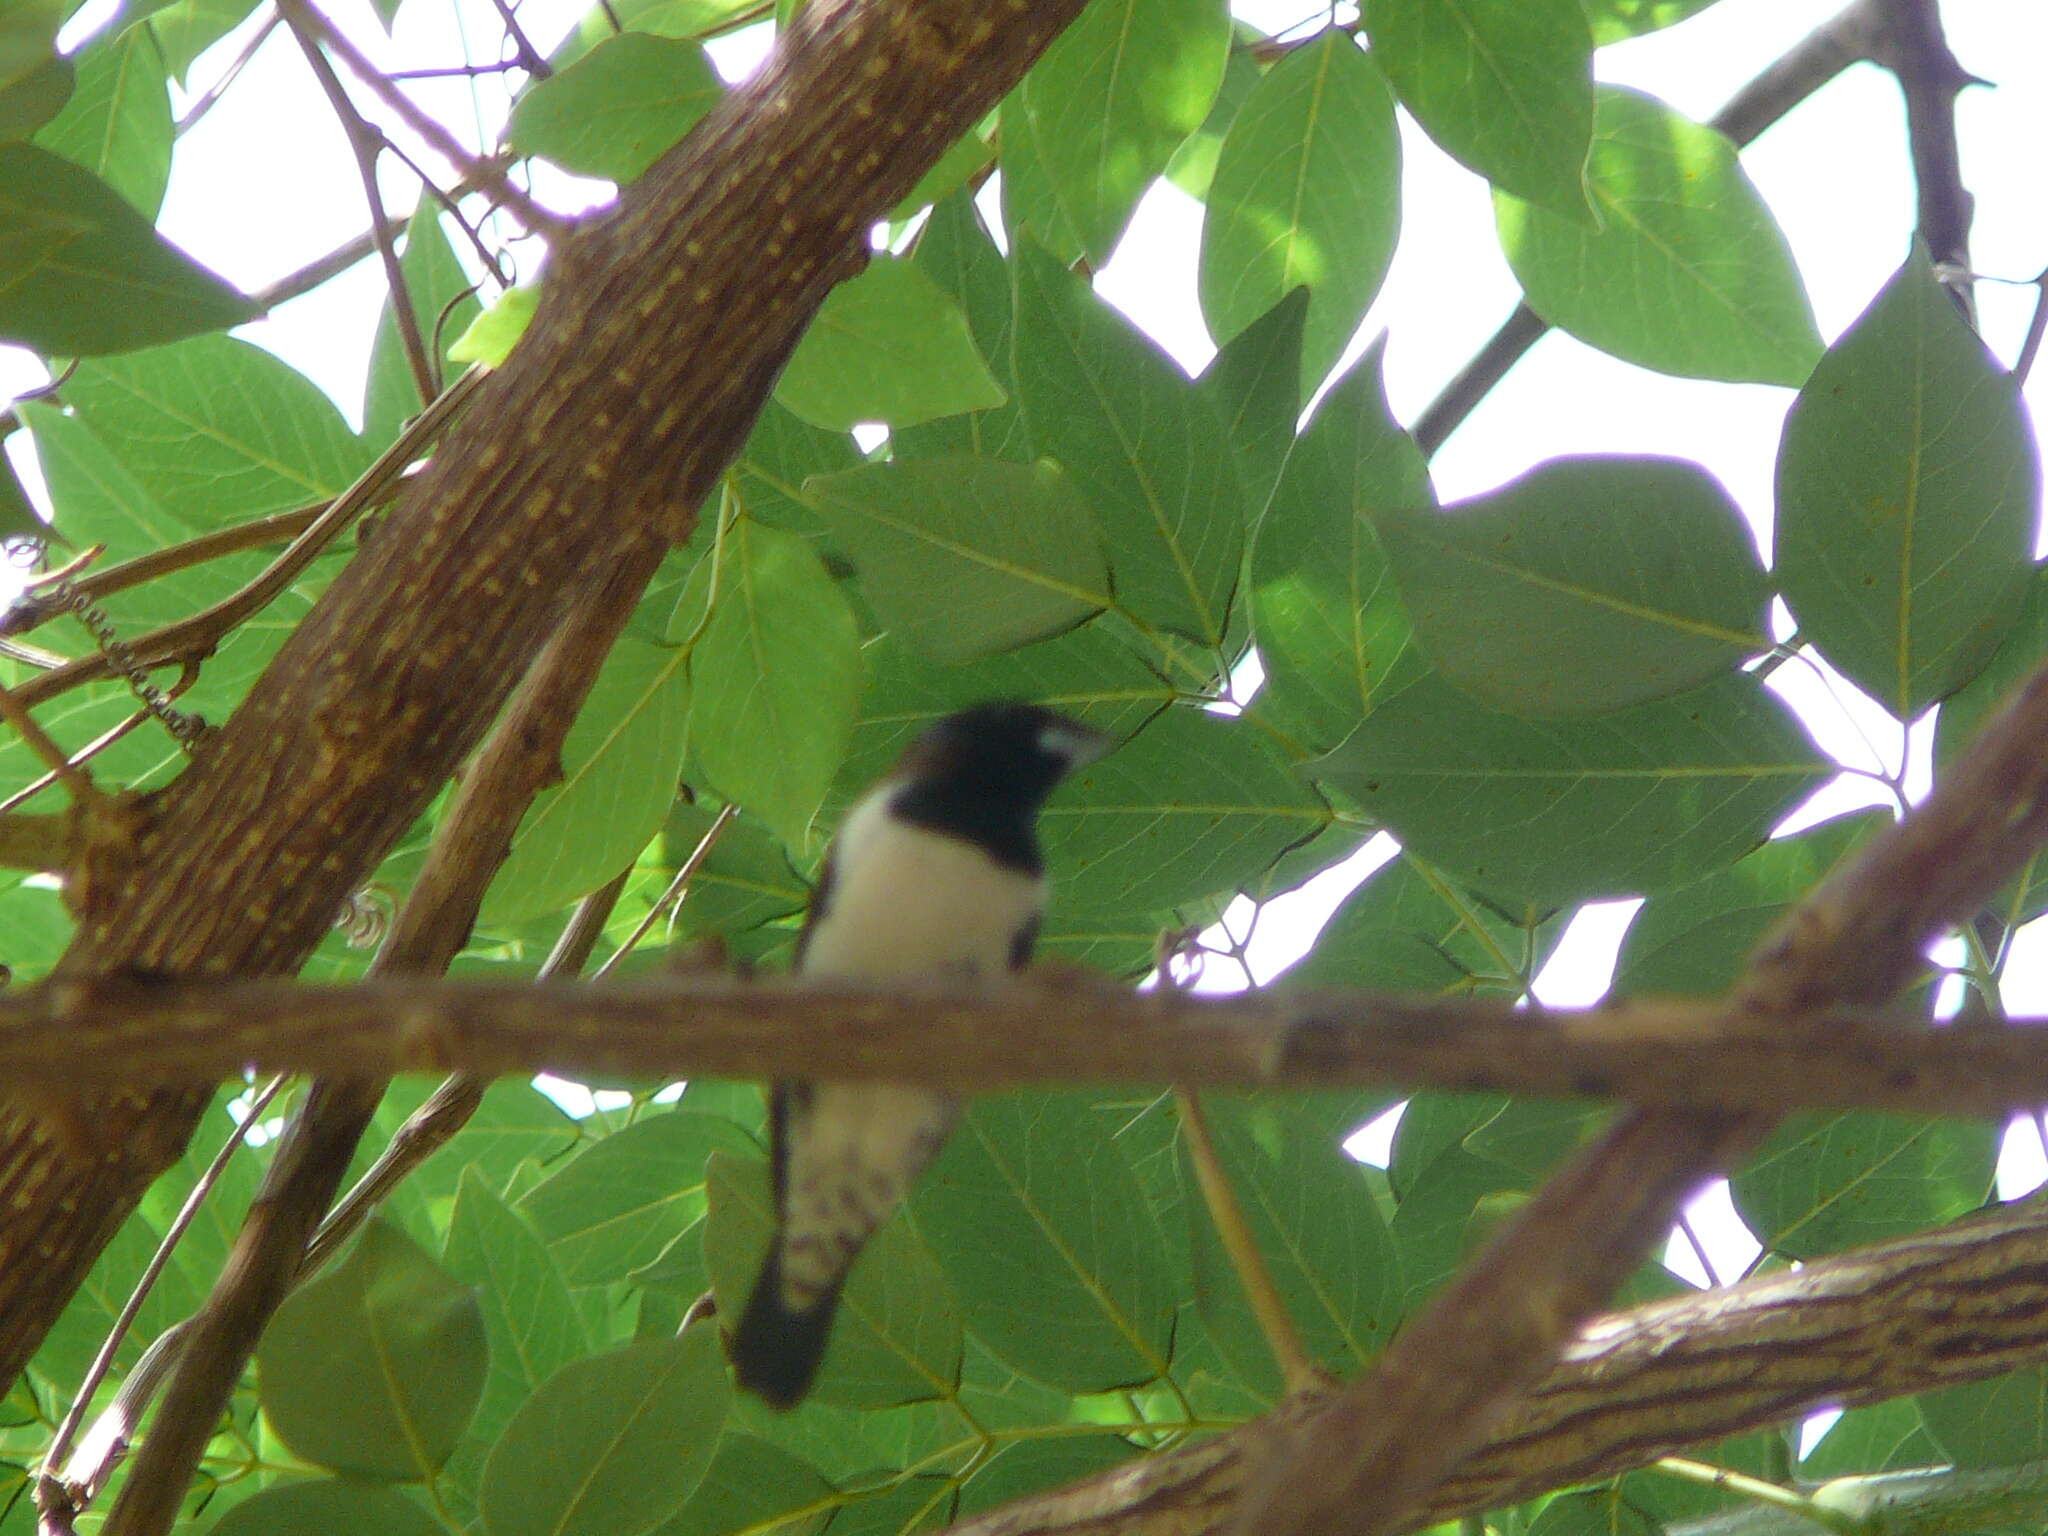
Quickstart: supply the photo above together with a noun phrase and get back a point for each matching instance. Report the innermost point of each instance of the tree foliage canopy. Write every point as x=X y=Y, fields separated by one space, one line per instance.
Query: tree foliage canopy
x=1553 y=693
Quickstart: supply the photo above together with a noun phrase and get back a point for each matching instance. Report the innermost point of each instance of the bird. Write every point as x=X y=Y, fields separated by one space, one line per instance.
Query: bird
x=935 y=873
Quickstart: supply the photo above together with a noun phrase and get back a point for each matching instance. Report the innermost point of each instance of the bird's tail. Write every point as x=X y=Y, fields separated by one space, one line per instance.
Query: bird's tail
x=775 y=1350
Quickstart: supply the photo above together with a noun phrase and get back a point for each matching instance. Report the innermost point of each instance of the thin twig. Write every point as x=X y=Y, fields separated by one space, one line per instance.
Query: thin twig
x=303 y=281
x=675 y=891
x=187 y=676
x=83 y=791
x=210 y=97
x=530 y=58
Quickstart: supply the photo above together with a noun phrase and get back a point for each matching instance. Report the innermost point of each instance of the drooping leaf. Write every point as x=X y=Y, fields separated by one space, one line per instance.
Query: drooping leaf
x=1141 y=442
x=1587 y=585
x=1306 y=194
x=621 y=1201
x=619 y=766
x=1694 y=940
x=897 y=1335
x=889 y=345
x=961 y=557
x=444 y=304
x=1329 y=626
x=775 y=679
x=218 y=429
x=388 y=1305
x=619 y=108
x=1193 y=805
x=1505 y=86
x=1827 y=1182
x=82 y=273
x=1055 y=1258
x=1637 y=801
x=1909 y=485
x=1687 y=272
x=1112 y=99
x=611 y=1445
x=118 y=121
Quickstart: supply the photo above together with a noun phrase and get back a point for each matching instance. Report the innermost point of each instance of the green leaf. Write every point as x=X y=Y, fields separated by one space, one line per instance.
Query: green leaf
x=1411 y=928
x=1031 y=204
x=1997 y=1423
x=444 y=304
x=1140 y=441
x=1317 y=1227
x=889 y=345
x=1039 y=1466
x=611 y=1445
x=1307 y=194
x=375 y=1367
x=324 y=1506
x=1641 y=800
x=1687 y=273
x=1329 y=626
x=1193 y=166
x=118 y=122
x=619 y=766
x=218 y=429
x=515 y=1129
x=30 y=101
x=1505 y=86
x=1823 y=1183
x=531 y=1323
x=1883 y=1437
x=1112 y=99
x=1444 y=1215
x=1614 y=20
x=82 y=273
x=1194 y=805
x=753 y=1486
x=28 y=36
x=956 y=253
x=493 y=334
x=897 y=1335
x=964 y=157
x=1052 y=1250
x=187 y=28
x=1908 y=487
x=1693 y=941
x=743 y=882
x=962 y=557
x=775 y=680
x=621 y=1201
x=1255 y=384
x=17 y=514
x=1603 y=1513
x=660 y=18
x=1587 y=585
x=617 y=110
x=767 y=479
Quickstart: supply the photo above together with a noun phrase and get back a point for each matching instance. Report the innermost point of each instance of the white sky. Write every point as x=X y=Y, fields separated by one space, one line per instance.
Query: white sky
x=265 y=184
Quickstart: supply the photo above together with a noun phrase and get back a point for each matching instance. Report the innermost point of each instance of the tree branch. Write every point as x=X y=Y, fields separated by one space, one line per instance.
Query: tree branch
x=1916 y=51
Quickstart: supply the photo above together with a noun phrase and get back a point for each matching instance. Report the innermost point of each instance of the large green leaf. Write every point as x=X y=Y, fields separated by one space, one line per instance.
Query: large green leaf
x=444 y=304
x=1329 y=627
x=1194 y=805
x=1112 y=99
x=956 y=253
x=1827 y=1182
x=621 y=1201
x=1587 y=585
x=375 y=1367
x=1909 y=484
x=218 y=429
x=1319 y=1230
x=889 y=345
x=1694 y=940
x=1687 y=272
x=1143 y=444
x=897 y=1335
x=118 y=121
x=1409 y=927
x=1505 y=86
x=961 y=557
x=82 y=273
x=619 y=766
x=1641 y=800
x=326 y=1505
x=775 y=679
x=1054 y=1255
x=611 y=1445
x=1306 y=194
x=531 y=1323
x=616 y=110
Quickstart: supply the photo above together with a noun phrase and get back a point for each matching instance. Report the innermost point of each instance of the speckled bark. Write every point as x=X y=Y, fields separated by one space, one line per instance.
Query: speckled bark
x=661 y=332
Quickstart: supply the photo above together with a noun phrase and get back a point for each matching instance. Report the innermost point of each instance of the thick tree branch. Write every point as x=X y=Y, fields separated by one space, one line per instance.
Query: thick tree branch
x=688 y=296
x=1961 y=1304
x=1679 y=1054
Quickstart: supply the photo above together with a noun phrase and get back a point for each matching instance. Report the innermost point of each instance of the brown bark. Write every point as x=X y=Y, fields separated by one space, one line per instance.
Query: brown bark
x=661 y=332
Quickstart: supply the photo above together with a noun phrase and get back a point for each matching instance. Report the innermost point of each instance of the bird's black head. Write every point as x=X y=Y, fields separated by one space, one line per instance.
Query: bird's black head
x=982 y=773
